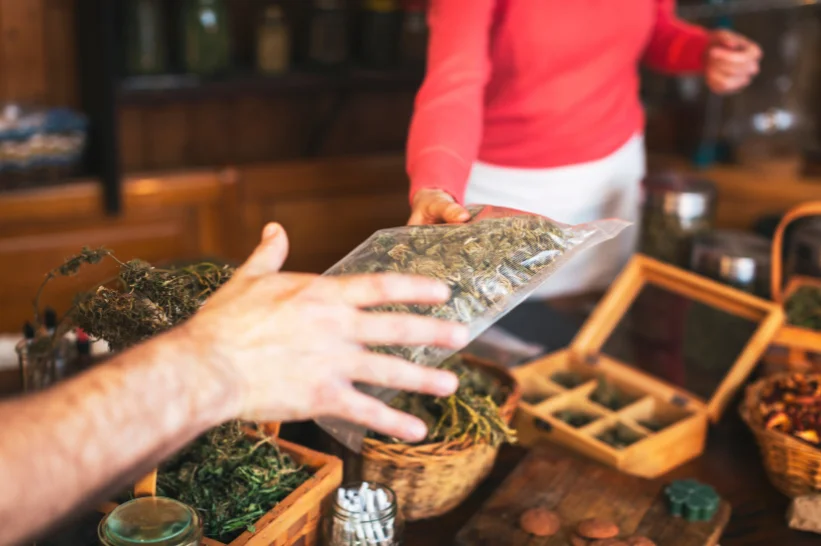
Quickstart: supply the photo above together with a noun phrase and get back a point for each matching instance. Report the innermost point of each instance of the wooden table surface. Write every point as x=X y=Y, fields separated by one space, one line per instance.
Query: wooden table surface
x=731 y=464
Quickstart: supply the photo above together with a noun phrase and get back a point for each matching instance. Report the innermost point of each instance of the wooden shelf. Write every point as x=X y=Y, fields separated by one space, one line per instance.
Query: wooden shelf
x=146 y=89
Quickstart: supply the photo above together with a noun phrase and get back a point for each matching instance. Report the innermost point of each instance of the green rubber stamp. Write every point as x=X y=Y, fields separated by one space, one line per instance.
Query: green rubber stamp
x=692 y=500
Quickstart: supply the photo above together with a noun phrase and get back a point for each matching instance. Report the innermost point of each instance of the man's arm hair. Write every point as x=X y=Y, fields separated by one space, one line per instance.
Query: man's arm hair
x=68 y=447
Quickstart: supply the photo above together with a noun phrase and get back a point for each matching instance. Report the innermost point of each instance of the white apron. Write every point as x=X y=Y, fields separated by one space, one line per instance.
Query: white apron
x=605 y=188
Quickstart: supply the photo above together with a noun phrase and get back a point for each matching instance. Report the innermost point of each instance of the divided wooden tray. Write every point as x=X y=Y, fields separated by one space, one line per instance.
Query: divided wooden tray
x=296 y=521
x=578 y=489
x=683 y=416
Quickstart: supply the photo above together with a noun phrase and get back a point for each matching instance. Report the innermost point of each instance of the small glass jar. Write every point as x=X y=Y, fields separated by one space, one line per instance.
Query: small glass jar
x=363 y=514
x=676 y=208
x=151 y=520
x=36 y=363
x=804 y=251
x=736 y=258
x=414 y=44
x=329 y=33
x=381 y=25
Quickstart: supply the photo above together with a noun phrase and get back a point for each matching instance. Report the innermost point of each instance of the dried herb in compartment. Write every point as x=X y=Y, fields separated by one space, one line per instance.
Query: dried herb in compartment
x=471 y=415
x=610 y=396
x=231 y=479
x=803 y=307
x=568 y=380
x=619 y=437
x=576 y=419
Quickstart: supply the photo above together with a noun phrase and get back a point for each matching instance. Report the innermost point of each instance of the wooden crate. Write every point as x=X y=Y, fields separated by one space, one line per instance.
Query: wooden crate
x=686 y=415
x=296 y=521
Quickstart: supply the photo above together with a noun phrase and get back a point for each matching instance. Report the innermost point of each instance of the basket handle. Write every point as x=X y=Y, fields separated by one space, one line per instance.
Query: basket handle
x=147 y=485
x=812 y=208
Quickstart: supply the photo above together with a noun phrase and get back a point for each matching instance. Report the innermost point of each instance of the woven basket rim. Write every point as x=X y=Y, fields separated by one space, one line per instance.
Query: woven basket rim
x=756 y=424
x=373 y=448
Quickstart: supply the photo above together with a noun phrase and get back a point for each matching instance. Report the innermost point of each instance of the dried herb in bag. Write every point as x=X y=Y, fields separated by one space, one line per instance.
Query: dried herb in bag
x=491 y=263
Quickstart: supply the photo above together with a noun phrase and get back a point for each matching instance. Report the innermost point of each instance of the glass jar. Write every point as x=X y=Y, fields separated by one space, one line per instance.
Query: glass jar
x=206 y=41
x=771 y=121
x=37 y=364
x=151 y=520
x=736 y=258
x=675 y=209
x=804 y=251
x=381 y=26
x=329 y=33
x=414 y=44
x=273 y=42
x=363 y=514
x=146 y=37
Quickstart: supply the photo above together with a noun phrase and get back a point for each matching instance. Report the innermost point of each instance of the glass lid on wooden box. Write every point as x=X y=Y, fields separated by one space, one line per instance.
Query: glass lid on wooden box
x=663 y=352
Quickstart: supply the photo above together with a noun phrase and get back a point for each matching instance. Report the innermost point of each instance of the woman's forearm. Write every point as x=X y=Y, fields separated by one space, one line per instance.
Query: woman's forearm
x=446 y=128
x=82 y=440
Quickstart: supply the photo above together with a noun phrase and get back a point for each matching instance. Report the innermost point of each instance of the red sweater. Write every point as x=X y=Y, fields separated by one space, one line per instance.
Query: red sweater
x=537 y=83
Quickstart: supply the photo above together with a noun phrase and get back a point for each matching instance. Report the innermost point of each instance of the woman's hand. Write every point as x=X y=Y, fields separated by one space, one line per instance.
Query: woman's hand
x=436 y=207
x=732 y=61
x=291 y=345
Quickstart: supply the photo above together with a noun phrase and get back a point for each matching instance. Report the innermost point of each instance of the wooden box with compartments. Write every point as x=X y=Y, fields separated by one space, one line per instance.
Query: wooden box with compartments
x=659 y=358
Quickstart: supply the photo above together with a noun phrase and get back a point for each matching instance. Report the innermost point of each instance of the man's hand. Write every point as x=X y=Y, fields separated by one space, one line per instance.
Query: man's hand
x=732 y=62
x=436 y=207
x=294 y=343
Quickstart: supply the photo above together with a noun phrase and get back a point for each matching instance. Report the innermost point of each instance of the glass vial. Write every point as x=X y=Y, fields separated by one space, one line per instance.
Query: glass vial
x=151 y=520
x=273 y=42
x=329 y=33
x=363 y=514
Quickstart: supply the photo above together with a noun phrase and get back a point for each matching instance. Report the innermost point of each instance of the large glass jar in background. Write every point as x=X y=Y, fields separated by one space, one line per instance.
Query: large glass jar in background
x=770 y=123
x=329 y=33
x=380 y=33
x=804 y=250
x=151 y=520
x=146 y=37
x=735 y=258
x=414 y=45
x=273 y=42
x=675 y=210
x=206 y=40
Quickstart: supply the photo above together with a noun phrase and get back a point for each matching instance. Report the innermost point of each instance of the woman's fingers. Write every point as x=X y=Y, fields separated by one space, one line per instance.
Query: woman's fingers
x=398 y=374
x=369 y=412
x=376 y=328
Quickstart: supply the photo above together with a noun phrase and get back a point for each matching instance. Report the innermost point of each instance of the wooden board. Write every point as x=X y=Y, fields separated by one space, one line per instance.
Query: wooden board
x=577 y=489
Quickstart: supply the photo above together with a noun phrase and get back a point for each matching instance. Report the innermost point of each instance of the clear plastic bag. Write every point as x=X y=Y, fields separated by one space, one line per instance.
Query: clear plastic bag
x=492 y=263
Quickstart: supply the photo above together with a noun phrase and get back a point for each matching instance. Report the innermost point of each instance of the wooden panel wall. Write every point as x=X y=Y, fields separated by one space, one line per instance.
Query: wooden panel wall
x=38 y=63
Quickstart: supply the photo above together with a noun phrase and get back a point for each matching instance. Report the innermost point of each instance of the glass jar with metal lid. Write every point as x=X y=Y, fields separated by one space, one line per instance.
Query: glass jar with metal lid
x=736 y=258
x=676 y=208
x=151 y=520
x=804 y=250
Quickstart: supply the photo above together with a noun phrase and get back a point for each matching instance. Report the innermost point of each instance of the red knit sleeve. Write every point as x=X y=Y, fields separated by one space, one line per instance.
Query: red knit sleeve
x=446 y=127
x=675 y=46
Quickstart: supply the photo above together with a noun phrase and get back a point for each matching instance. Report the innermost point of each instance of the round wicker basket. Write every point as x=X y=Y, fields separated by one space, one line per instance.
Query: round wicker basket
x=793 y=466
x=430 y=480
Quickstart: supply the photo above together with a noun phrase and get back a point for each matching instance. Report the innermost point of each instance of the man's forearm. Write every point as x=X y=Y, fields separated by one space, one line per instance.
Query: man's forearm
x=73 y=444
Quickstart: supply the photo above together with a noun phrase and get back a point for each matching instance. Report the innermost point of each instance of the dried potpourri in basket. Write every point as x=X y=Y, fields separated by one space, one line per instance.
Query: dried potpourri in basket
x=492 y=263
x=792 y=405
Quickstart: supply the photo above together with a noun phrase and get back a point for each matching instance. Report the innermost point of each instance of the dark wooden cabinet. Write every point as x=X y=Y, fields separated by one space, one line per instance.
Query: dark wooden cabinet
x=327 y=207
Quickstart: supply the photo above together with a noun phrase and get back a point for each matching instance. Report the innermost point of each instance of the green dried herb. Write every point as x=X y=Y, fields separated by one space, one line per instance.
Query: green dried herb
x=609 y=396
x=536 y=398
x=653 y=425
x=803 y=307
x=568 y=380
x=485 y=262
x=576 y=419
x=232 y=480
x=619 y=437
x=471 y=414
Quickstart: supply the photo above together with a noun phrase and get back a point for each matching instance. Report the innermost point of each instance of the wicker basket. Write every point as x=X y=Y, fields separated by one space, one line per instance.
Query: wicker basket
x=793 y=467
x=430 y=480
x=793 y=349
